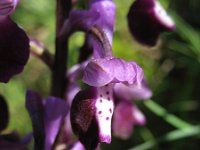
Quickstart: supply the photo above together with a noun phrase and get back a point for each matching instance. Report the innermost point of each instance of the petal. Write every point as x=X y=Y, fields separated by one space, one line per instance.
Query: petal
x=125 y=117
x=132 y=92
x=14 y=49
x=100 y=72
x=4 y=114
x=35 y=107
x=55 y=112
x=91 y=115
x=96 y=75
x=81 y=20
x=147 y=19
x=7 y=6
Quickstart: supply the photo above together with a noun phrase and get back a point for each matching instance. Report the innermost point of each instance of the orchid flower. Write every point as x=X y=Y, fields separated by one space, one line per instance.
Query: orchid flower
x=92 y=108
x=14 y=43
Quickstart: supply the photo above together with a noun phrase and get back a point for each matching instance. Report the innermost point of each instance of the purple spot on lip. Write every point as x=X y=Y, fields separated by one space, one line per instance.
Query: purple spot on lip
x=110 y=110
x=107 y=92
x=107 y=118
x=101 y=96
x=109 y=98
x=101 y=101
x=100 y=112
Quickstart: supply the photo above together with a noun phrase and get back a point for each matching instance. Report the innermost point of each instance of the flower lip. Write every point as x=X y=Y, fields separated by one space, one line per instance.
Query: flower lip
x=91 y=115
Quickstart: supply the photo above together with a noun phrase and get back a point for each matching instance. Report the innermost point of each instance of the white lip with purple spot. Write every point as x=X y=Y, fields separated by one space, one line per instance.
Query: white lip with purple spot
x=104 y=112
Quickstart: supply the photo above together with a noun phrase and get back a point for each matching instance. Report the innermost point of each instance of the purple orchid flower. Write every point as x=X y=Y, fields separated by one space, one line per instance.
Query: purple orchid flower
x=14 y=43
x=92 y=109
x=147 y=19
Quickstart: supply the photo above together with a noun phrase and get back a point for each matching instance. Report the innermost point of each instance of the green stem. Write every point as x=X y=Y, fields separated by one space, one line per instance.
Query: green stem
x=162 y=112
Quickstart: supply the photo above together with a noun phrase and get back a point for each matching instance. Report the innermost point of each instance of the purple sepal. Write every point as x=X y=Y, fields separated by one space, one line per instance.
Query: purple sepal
x=7 y=7
x=126 y=116
x=12 y=141
x=147 y=19
x=79 y=20
x=100 y=72
x=132 y=92
x=4 y=114
x=14 y=49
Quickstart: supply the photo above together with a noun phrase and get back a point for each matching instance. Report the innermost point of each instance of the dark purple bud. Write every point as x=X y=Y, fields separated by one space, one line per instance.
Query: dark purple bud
x=12 y=141
x=4 y=114
x=100 y=72
x=91 y=115
x=7 y=7
x=14 y=49
x=147 y=19
x=125 y=117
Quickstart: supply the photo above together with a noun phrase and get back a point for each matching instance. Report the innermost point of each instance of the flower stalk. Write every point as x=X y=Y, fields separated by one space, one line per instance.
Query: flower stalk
x=59 y=82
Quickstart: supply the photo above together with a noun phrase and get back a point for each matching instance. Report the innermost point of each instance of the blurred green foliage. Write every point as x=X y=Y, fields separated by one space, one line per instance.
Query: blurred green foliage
x=172 y=69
